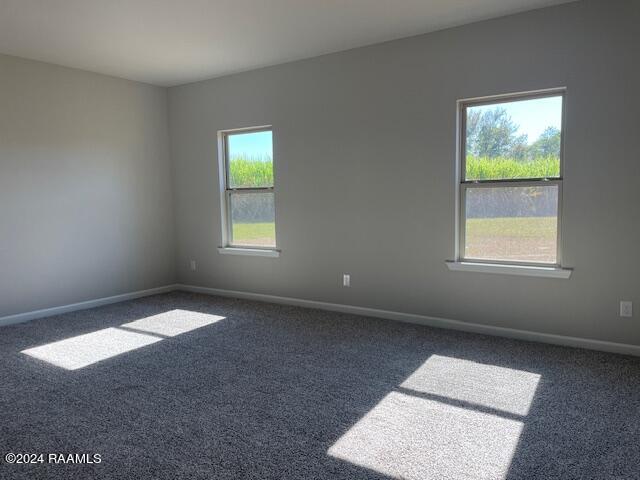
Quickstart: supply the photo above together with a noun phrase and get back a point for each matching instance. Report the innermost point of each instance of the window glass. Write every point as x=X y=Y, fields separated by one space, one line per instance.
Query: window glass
x=250 y=160
x=513 y=140
x=252 y=219
x=513 y=223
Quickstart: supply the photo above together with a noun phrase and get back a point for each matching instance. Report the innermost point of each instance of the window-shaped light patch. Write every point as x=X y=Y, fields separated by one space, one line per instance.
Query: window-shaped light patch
x=87 y=349
x=414 y=438
x=476 y=384
x=175 y=322
x=83 y=350
x=447 y=419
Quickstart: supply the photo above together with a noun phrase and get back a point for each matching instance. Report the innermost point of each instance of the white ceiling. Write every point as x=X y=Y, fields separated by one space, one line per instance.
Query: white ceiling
x=170 y=42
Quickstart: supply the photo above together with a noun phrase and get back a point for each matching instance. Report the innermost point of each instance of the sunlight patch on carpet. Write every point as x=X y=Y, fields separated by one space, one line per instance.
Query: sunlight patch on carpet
x=451 y=418
x=83 y=350
x=499 y=388
x=78 y=352
x=173 y=323
x=407 y=437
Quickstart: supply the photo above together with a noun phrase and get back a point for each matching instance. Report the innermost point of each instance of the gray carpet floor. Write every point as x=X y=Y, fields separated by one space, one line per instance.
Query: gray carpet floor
x=189 y=386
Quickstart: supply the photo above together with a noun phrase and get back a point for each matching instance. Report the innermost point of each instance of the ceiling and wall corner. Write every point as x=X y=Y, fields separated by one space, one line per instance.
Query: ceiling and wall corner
x=167 y=42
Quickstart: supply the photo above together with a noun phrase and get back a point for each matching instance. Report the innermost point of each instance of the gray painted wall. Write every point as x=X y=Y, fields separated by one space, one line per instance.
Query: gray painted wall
x=85 y=186
x=364 y=144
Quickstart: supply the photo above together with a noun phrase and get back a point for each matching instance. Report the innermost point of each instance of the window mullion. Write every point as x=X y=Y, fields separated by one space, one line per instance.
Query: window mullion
x=250 y=190
x=510 y=183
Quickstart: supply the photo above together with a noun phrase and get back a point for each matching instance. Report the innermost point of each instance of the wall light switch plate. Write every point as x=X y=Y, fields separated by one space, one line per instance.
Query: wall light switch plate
x=192 y=264
x=626 y=309
x=346 y=280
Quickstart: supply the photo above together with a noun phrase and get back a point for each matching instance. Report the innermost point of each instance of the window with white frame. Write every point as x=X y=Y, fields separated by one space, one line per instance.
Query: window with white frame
x=510 y=179
x=247 y=188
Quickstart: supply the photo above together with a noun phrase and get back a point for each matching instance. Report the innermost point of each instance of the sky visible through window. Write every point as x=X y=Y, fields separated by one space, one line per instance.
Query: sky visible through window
x=254 y=145
x=532 y=116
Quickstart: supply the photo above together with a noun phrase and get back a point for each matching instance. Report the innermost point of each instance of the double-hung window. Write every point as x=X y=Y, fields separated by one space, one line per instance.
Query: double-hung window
x=510 y=179
x=247 y=190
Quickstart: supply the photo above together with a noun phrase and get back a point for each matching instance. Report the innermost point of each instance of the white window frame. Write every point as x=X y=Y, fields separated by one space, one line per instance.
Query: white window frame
x=227 y=246
x=461 y=263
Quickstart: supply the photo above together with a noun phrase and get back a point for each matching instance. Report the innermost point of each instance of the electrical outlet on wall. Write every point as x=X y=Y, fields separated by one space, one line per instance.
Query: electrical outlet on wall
x=346 y=280
x=626 y=308
x=192 y=265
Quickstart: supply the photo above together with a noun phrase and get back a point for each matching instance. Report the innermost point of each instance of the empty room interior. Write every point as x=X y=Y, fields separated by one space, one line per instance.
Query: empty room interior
x=319 y=239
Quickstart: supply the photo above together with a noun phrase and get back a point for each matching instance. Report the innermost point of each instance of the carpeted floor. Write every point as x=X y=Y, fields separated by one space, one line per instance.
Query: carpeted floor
x=196 y=387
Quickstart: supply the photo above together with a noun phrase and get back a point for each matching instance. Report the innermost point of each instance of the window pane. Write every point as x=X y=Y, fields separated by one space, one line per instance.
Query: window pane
x=250 y=157
x=253 y=219
x=518 y=139
x=512 y=223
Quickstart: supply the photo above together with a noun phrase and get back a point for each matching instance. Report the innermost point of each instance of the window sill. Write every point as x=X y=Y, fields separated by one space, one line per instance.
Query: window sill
x=523 y=270
x=251 y=252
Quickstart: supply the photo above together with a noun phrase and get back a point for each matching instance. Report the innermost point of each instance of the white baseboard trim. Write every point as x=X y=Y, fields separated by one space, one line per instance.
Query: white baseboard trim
x=48 y=312
x=622 y=348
